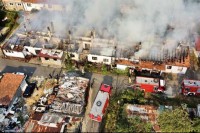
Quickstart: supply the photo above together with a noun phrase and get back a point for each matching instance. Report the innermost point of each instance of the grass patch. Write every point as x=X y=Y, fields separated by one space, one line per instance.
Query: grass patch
x=120 y=72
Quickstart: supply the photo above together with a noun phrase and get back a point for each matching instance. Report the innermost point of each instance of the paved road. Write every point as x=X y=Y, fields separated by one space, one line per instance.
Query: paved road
x=117 y=83
x=7 y=65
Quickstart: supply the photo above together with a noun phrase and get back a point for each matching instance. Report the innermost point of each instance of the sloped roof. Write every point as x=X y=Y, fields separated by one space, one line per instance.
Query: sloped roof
x=46 y=122
x=33 y=126
x=8 y=86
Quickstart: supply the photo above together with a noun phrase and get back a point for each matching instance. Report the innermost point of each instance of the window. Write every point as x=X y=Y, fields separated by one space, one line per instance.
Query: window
x=187 y=89
x=29 y=4
x=105 y=60
x=87 y=46
x=145 y=81
x=94 y=58
x=11 y=4
x=19 y=4
x=169 y=67
x=72 y=55
x=46 y=58
x=155 y=88
x=55 y=59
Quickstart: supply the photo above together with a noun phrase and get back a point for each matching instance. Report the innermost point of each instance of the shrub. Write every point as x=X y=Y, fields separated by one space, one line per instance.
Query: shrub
x=120 y=72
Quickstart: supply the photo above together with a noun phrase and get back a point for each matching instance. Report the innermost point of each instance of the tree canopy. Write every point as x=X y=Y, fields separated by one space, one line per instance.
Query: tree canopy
x=176 y=120
x=117 y=120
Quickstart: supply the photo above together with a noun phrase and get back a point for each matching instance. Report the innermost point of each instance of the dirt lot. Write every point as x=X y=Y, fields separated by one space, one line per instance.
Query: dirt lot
x=45 y=85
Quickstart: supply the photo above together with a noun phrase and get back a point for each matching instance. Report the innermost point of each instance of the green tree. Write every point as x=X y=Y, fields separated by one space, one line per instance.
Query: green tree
x=130 y=95
x=196 y=125
x=104 y=69
x=117 y=119
x=175 y=121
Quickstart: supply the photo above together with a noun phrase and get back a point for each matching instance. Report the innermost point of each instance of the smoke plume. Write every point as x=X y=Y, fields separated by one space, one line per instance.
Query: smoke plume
x=153 y=22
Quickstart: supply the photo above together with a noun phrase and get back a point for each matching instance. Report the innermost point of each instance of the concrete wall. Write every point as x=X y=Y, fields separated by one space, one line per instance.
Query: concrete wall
x=100 y=59
x=50 y=61
x=121 y=67
x=175 y=69
x=23 y=85
x=30 y=6
x=39 y=6
x=11 y=53
x=31 y=50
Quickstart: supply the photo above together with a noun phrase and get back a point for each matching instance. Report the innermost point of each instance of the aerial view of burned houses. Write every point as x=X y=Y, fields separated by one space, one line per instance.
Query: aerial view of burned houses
x=99 y=66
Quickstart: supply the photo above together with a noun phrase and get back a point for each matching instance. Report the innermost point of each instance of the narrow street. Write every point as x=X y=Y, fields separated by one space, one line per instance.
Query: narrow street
x=11 y=66
x=117 y=83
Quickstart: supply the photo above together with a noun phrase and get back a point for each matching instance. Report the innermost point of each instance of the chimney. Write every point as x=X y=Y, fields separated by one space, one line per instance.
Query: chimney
x=93 y=34
x=49 y=31
x=115 y=51
x=184 y=53
x=180 y=55
x=70 y=35
x=52 y=27
x=187 y=52
x=25 y=28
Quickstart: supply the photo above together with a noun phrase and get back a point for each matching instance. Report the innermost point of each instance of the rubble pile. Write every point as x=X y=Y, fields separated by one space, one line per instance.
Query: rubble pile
x=70 y=98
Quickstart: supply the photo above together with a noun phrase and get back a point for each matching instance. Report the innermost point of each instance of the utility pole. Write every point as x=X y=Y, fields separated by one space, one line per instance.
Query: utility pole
x=116 y=83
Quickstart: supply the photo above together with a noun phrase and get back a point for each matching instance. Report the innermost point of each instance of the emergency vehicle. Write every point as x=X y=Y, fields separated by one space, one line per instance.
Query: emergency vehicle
x=101 y=103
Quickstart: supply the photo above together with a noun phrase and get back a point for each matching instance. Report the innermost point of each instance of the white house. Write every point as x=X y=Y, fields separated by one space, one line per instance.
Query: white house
x=15 y=5
x=51 y=57
x=44 y=4
x=102 y=51
x=100 y=59
x=12 y=53
x=175 y=69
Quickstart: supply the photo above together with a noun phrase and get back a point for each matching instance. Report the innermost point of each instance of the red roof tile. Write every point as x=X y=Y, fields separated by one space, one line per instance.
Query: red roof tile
x=150 y=65
x=8 y=86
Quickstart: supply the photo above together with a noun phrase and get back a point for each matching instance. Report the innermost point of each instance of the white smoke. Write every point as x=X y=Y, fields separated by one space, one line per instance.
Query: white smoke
x=126 y=21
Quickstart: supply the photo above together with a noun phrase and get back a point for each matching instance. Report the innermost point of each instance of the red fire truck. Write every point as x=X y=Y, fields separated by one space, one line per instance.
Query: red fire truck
x=101 y=103
x=149 y=84
x=190 y=87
